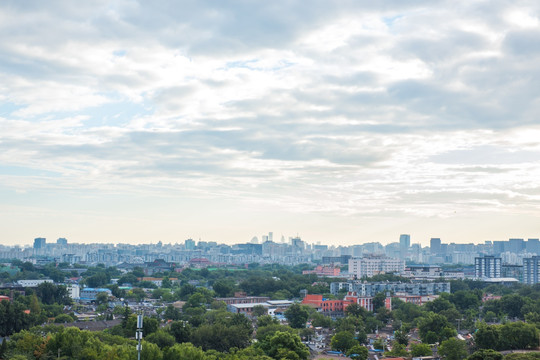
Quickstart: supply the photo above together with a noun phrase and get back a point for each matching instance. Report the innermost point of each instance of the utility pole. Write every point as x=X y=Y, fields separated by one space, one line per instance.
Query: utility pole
x=458 y=324
x=139 y=335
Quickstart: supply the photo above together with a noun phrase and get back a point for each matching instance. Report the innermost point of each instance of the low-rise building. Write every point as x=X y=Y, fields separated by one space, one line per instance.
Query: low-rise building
x=90 y=294
x=33 y=283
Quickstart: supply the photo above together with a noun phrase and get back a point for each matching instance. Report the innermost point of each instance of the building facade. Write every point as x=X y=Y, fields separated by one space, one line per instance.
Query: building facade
x=370 y=266
x=531 y=270
x=487 y=267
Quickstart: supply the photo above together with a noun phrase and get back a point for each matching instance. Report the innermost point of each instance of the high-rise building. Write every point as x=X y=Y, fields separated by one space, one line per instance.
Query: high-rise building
x=39 y=243
x=373 y=265
x=498 y=247
x=435 y=246
x=533 y=246
x=189 y=244
x=516 y=245
x=487 y=267
x=531 y=270
x=404 y=245
x=61 y=241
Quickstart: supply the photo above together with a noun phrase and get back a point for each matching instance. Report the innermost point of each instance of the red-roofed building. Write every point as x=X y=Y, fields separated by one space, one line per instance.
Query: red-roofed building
x=323 y=271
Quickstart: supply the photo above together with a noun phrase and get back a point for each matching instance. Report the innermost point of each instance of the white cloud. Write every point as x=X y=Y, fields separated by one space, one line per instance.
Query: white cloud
x=419 y=108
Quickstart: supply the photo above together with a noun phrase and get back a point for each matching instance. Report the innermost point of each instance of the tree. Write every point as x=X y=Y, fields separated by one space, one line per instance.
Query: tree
x=166 y=283
x=161 y=338
x=518 y=335
x=379 y=344
x=265 y=320
x=453 y=349
x=435 y=325
x=3 y=348
x=378 y=300
x=259 y=310
x=319 y=320
x=343 y=341
x=398 y=350
x=63 y=318
x=184 y=351
x=223 y=288
x=102 y=298
x=355 y=310
x=401 y=337
x=172 y=313
x=358 y=352
x=150 y=351
x=284 y=345
x=487 y=337
x=486 y=354
x=418 y=350
x=181 y=331
x=297 y=316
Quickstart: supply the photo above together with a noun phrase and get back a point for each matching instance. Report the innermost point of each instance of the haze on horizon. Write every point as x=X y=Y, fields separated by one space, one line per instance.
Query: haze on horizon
x=124 y=121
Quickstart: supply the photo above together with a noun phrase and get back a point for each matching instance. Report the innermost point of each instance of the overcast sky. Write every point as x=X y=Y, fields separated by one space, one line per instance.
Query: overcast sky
x=343 y=122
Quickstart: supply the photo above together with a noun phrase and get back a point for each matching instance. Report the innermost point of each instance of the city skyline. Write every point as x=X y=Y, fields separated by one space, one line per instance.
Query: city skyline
x=133 y=123
x=281 y=239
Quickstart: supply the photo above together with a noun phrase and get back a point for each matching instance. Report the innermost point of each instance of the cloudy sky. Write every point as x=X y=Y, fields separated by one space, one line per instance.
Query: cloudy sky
x=343 y=122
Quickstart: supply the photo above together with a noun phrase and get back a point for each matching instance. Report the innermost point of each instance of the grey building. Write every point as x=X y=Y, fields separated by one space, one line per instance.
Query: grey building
x=531 y=270
x=371 y=289
x=487 y=267
x=39 y=243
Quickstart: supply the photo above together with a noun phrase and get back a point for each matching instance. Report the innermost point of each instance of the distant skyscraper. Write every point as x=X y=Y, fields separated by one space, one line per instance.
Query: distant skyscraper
x=39 y=243
x=498 y=247
x=61 y=241
x=435 y=246
x=533 y=246
x=270 y=236
x=516 y=245
x=487 y=267
x=189 y=244
x=404 y=245
x=531 y=270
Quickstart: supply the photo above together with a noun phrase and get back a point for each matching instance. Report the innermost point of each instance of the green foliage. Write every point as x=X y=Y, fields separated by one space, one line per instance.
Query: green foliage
x=266 y=332
x=486 y=355
x=181 y=331
x=378 y=300
x=402 y=337
x=185 y=352
x=453 y=349
x=523 y=356
x=510 y=336
x=224 y=287
x=319 y=320
x=284 y=345
x=355 y=310
x=50 y=294
x=172 y=313
x=358 y=352
x=379 y=344
x=398 y=350
x=297 y=316
x=265 y=320
x=223 y=333
x=161 y=338
x=13 y=318
x=343 y=341
x=259 y=310
x=63 y=318
x=421 y=350
x=435 y=327
x=150 y=351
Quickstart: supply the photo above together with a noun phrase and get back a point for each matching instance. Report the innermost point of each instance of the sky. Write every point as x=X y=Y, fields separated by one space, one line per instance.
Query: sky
x=341 y=122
